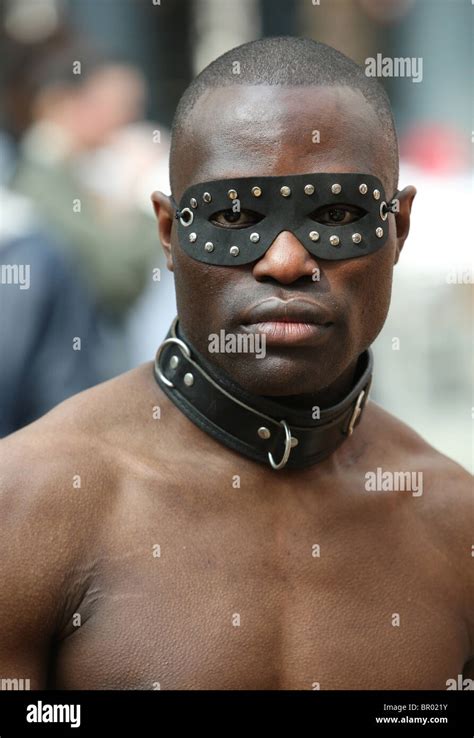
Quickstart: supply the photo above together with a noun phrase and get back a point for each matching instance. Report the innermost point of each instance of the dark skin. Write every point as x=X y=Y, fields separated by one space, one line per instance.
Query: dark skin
x=246 y=552
x=355 y=291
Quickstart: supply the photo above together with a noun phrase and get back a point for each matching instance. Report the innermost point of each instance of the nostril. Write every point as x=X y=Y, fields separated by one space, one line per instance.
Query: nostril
x=285 y=261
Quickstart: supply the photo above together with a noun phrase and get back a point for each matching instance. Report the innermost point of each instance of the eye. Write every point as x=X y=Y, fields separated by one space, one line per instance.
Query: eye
x=338 y=215
x=238 y=219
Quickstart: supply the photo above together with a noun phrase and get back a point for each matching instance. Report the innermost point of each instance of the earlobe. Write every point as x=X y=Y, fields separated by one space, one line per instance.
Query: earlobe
x=402 y=217
x=164 y=213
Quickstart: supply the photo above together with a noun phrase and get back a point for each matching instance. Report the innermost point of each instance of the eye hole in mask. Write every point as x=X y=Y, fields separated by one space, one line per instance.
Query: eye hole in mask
x=340 y=215
x=235 y=219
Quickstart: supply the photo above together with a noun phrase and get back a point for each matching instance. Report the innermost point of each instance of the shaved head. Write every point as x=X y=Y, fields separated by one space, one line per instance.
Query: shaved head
x=280 y=62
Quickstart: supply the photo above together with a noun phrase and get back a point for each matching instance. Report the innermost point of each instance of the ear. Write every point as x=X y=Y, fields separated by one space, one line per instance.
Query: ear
x=402 y=217
x=164 y=211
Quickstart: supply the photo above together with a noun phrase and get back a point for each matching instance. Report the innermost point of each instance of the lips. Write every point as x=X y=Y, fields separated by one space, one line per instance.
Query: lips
x=288 y=321
x=295 y=310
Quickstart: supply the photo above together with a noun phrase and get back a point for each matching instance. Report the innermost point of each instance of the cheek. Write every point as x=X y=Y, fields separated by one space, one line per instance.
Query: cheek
x=201 y=290
x=191 y=284
x=365 y=287
x=374 y=289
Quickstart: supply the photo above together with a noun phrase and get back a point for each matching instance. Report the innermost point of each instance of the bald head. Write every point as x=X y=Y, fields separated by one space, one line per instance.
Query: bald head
x=281 y=92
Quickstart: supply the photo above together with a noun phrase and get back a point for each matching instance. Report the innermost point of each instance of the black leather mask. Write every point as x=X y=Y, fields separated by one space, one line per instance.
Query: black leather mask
x=266 y=206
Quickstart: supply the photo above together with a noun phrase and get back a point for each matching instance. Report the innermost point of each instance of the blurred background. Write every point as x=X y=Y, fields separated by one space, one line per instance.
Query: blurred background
x=88 y=90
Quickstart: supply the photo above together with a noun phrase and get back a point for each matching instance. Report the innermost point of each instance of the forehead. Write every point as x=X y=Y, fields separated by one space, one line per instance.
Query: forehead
x=271 y=130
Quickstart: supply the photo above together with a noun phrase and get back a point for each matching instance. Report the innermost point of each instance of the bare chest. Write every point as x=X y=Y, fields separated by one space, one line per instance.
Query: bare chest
x=308 y=597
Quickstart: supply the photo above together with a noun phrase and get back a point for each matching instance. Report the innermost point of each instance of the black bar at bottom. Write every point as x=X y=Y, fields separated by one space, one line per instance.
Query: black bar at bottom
x=151 y=713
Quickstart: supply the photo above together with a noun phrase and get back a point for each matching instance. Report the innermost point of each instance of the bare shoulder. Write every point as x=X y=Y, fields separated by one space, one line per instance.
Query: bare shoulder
x=445 y=497
x=446 y=483
x=96 y=412
x=441 y=511
x=60 y=484
x=397 y=440
x=60 y=476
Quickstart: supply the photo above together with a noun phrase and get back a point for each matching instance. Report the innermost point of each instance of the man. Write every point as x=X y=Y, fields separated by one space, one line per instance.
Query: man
x=210 y=524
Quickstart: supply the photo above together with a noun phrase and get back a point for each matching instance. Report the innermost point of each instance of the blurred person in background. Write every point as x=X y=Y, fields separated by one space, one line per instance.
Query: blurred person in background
x=133 y=164
x=48 y=339
x=80 y=101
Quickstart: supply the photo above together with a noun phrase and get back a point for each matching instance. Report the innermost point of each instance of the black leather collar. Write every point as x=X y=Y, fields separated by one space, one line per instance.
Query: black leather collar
x=257 y=427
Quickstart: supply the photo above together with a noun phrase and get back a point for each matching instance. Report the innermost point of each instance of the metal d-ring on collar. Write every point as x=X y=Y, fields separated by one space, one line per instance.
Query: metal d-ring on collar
x=182 y=345
x=287 y=451
x=356 y=412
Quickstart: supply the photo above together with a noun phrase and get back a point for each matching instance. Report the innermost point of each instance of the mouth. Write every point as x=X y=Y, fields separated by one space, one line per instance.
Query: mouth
x=284 y=322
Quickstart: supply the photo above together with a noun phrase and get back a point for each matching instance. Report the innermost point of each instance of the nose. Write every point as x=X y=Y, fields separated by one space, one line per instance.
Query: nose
x=285 y=261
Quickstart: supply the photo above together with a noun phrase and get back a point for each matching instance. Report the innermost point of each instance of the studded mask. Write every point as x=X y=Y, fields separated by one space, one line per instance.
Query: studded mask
x=230 y=222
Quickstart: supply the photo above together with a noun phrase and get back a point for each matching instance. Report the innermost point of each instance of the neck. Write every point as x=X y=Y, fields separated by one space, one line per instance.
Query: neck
x=265 y=429
x=326 y=397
